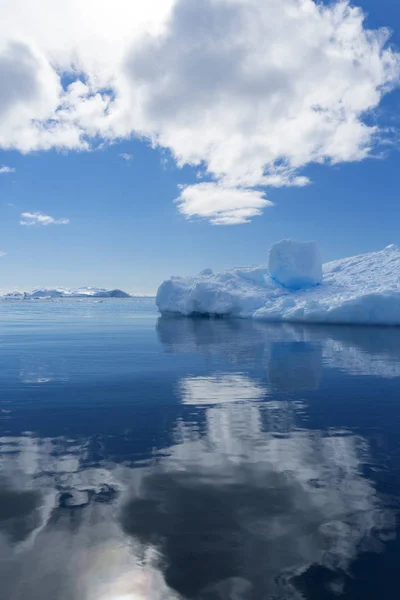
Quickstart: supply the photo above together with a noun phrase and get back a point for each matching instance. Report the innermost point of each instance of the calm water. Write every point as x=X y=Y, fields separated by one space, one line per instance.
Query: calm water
x=147 y=459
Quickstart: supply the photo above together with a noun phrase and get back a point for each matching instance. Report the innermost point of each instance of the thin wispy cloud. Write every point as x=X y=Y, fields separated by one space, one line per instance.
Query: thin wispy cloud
x=5 y=169
x=2 y=253
x=126 y=156
x=37 y=218
x=249 y=91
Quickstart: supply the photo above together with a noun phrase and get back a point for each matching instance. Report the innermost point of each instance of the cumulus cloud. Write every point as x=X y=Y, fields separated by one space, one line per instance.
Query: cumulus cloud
x=37 y=218
x=5 y=169
x=30 y=93
x=220 y=204
x=251 y=91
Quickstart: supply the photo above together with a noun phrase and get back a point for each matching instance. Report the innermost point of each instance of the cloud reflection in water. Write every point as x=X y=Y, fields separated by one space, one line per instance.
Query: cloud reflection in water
x=239 y=505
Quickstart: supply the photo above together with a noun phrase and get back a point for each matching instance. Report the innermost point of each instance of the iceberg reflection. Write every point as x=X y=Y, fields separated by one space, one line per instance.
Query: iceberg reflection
x=295 y=366
x=294 y=354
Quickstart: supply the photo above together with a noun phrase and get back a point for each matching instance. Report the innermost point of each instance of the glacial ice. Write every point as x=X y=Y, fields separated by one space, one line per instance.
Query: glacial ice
x=86 y=292
x=363 y=289
x=295 y=265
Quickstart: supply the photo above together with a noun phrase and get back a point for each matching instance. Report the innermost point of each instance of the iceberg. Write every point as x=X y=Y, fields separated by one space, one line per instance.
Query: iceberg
x=295 y=265
x=86 y=292
x=363 y=289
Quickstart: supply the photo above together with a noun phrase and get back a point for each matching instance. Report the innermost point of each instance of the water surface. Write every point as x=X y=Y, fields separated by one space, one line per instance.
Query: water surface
x=150 y=458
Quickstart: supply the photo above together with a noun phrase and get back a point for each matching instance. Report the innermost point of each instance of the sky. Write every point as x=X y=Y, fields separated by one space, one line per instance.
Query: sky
x=139 y=142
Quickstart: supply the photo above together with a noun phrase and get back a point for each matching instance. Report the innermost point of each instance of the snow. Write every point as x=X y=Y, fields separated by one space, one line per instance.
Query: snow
x=362 y=289
x=295 y=265
x=85 y=292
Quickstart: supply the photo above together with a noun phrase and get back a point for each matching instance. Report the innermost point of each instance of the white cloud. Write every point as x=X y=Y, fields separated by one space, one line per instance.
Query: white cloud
x=252 y=91
x=2 y=253
x=126 y=156
x=37 y=218
x=4 y=169
x=220 y=204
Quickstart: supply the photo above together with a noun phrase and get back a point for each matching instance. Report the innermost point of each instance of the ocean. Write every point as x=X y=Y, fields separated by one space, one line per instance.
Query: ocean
x=151 y=458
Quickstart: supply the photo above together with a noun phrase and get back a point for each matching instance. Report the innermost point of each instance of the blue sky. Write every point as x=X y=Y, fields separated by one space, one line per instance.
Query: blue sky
x=125 y=231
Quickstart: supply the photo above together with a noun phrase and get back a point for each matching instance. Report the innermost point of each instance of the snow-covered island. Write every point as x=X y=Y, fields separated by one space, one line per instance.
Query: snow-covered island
x=295 y=287
x=86 y=292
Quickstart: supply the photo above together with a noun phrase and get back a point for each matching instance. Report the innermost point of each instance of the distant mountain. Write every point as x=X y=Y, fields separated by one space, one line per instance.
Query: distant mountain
x=86 y=292
x=14 y=296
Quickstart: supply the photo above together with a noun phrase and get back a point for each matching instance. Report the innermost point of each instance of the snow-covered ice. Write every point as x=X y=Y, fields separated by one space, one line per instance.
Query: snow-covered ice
x=362 y=289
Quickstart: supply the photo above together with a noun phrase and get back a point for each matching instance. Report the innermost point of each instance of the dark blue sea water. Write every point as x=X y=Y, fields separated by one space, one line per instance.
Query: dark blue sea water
x=144 y=458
